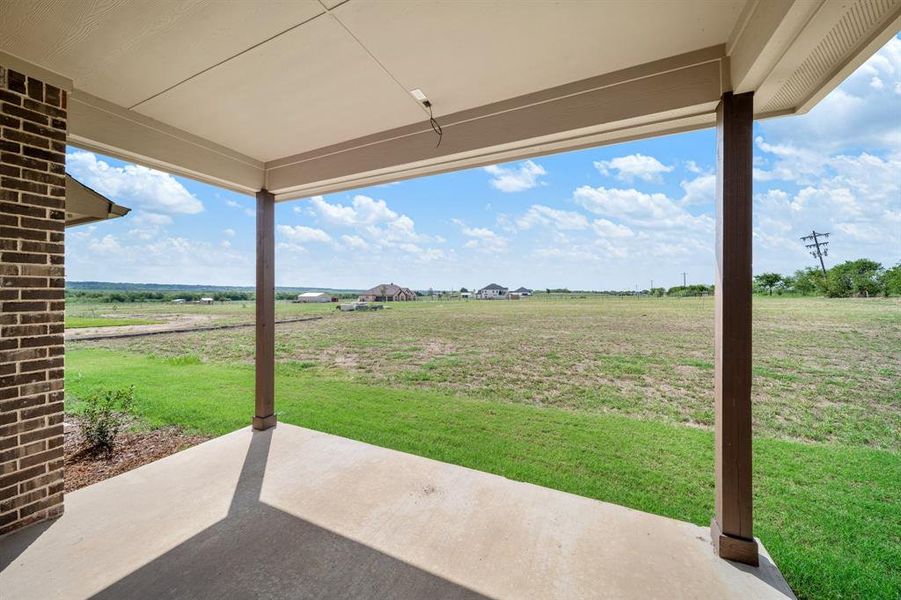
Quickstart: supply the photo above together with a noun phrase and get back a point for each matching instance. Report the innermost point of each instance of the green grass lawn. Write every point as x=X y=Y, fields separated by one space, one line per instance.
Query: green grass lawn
x=825 y=370
x=81 y=322
x=830 y=514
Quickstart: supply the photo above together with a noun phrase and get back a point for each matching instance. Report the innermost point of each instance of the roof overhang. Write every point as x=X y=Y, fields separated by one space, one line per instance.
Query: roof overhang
x=84 y=205
x=312 y=97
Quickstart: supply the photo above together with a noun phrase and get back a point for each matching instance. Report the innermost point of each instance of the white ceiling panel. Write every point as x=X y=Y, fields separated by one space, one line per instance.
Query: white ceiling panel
x=128 y=50
x=308 y=88
x=227 y=90
x=466 y=54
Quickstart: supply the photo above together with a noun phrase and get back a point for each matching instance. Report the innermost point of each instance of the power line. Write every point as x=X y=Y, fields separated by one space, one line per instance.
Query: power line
x=817 y=249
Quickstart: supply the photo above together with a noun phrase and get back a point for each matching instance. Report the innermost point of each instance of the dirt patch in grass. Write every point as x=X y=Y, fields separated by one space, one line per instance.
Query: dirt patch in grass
x=132 y=450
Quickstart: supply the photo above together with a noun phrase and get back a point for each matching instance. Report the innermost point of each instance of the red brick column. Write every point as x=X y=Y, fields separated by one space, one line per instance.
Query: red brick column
x=32 y=221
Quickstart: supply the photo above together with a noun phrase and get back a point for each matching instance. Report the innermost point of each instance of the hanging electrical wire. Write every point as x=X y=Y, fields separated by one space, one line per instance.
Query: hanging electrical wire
x=436 y=127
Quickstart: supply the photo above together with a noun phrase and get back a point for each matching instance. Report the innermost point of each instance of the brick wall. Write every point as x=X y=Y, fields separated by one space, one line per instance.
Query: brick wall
x=32 y=221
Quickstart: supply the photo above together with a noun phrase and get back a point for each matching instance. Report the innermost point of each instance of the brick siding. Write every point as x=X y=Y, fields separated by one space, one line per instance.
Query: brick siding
x=32 y=222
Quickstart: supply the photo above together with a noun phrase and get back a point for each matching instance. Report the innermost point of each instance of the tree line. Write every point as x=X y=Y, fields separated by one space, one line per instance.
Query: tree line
x=851 y=279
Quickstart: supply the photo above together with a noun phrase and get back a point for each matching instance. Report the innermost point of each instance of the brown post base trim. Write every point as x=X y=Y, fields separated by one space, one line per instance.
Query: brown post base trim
x=733 y=548
x=263 y=423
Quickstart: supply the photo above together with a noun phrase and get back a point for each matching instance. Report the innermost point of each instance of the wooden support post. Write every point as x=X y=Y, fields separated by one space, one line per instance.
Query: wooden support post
x=264 y=416
x=731 y=529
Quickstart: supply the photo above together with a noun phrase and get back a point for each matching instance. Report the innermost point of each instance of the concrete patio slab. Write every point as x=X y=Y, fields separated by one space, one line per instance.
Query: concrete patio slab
x=295 y=513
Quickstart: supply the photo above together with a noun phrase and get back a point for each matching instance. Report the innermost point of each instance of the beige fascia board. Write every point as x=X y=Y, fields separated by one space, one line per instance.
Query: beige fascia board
x=594 y=111
x=816 y=31
x=577 y=140
x=864 y=51
x=762 y=37
x=100 y=126
x=26 y=68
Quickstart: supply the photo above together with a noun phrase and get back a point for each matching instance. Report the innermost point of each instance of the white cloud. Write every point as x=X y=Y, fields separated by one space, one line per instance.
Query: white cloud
x=228 y=232
x=507 y=179
x=538 y=214
x=372 y=219
x=692 y=167
x=788 y=162
x=148 y=218
x=354 y=242
x=634 y=166
x=481 y=238
x=291 y=248
x=700 y=190
x=232 y=204
x=606 y=229
x=428 y=255
x=653 y=211
x=105 y=245
x=856 y=198
x=363 y=211
x=302 y=233
x=148 y=225
x=133 y=186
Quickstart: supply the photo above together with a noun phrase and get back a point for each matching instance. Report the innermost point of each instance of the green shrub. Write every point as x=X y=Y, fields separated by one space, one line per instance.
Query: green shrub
x=851 y=278
x=891 y=281
x=104 y=416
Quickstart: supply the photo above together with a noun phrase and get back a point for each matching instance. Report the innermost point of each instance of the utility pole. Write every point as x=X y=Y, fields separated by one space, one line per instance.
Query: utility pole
x=683 y=280
x=817 y=249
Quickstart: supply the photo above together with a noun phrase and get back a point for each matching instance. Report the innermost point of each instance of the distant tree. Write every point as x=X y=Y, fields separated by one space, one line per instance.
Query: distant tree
x=891 y=281
x=768 y=281
x=690 y=290
x=861 y=277
x=808 y=281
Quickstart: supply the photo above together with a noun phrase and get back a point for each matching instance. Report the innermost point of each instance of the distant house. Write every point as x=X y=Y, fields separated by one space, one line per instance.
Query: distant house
x=465 y=295
x=313 y=297
x=492 y=291
x=523 y=291
x=388 y=292
x=179 y=301
x=206 y=300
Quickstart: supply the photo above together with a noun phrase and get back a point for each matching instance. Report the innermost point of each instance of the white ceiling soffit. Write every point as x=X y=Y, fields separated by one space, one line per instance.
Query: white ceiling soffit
x=306 y=96
x=792 y=54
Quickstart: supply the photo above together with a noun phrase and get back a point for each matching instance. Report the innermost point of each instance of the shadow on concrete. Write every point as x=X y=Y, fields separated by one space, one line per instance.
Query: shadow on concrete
x=258 y=551
x=12 y=546
x=768 y=573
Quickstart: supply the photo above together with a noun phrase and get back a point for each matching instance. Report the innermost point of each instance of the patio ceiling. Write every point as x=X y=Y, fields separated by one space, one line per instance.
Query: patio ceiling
x=304 y=97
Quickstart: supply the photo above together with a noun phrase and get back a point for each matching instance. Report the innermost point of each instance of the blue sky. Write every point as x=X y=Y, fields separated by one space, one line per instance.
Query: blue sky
x=607 y=218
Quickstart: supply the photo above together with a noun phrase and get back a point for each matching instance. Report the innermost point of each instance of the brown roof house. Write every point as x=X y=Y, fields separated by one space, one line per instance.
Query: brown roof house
x=388 y=292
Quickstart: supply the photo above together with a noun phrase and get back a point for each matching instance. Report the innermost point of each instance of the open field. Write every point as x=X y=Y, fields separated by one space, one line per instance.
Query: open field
x=84 y=322
x=824 y=370
x=605 y=397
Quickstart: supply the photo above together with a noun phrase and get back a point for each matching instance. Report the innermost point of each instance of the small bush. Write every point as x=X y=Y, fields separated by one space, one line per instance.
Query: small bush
x=104 y=416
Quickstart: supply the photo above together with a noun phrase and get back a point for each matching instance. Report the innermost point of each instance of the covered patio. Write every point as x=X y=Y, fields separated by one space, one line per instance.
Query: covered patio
x=295 y=513
x=285 y=101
